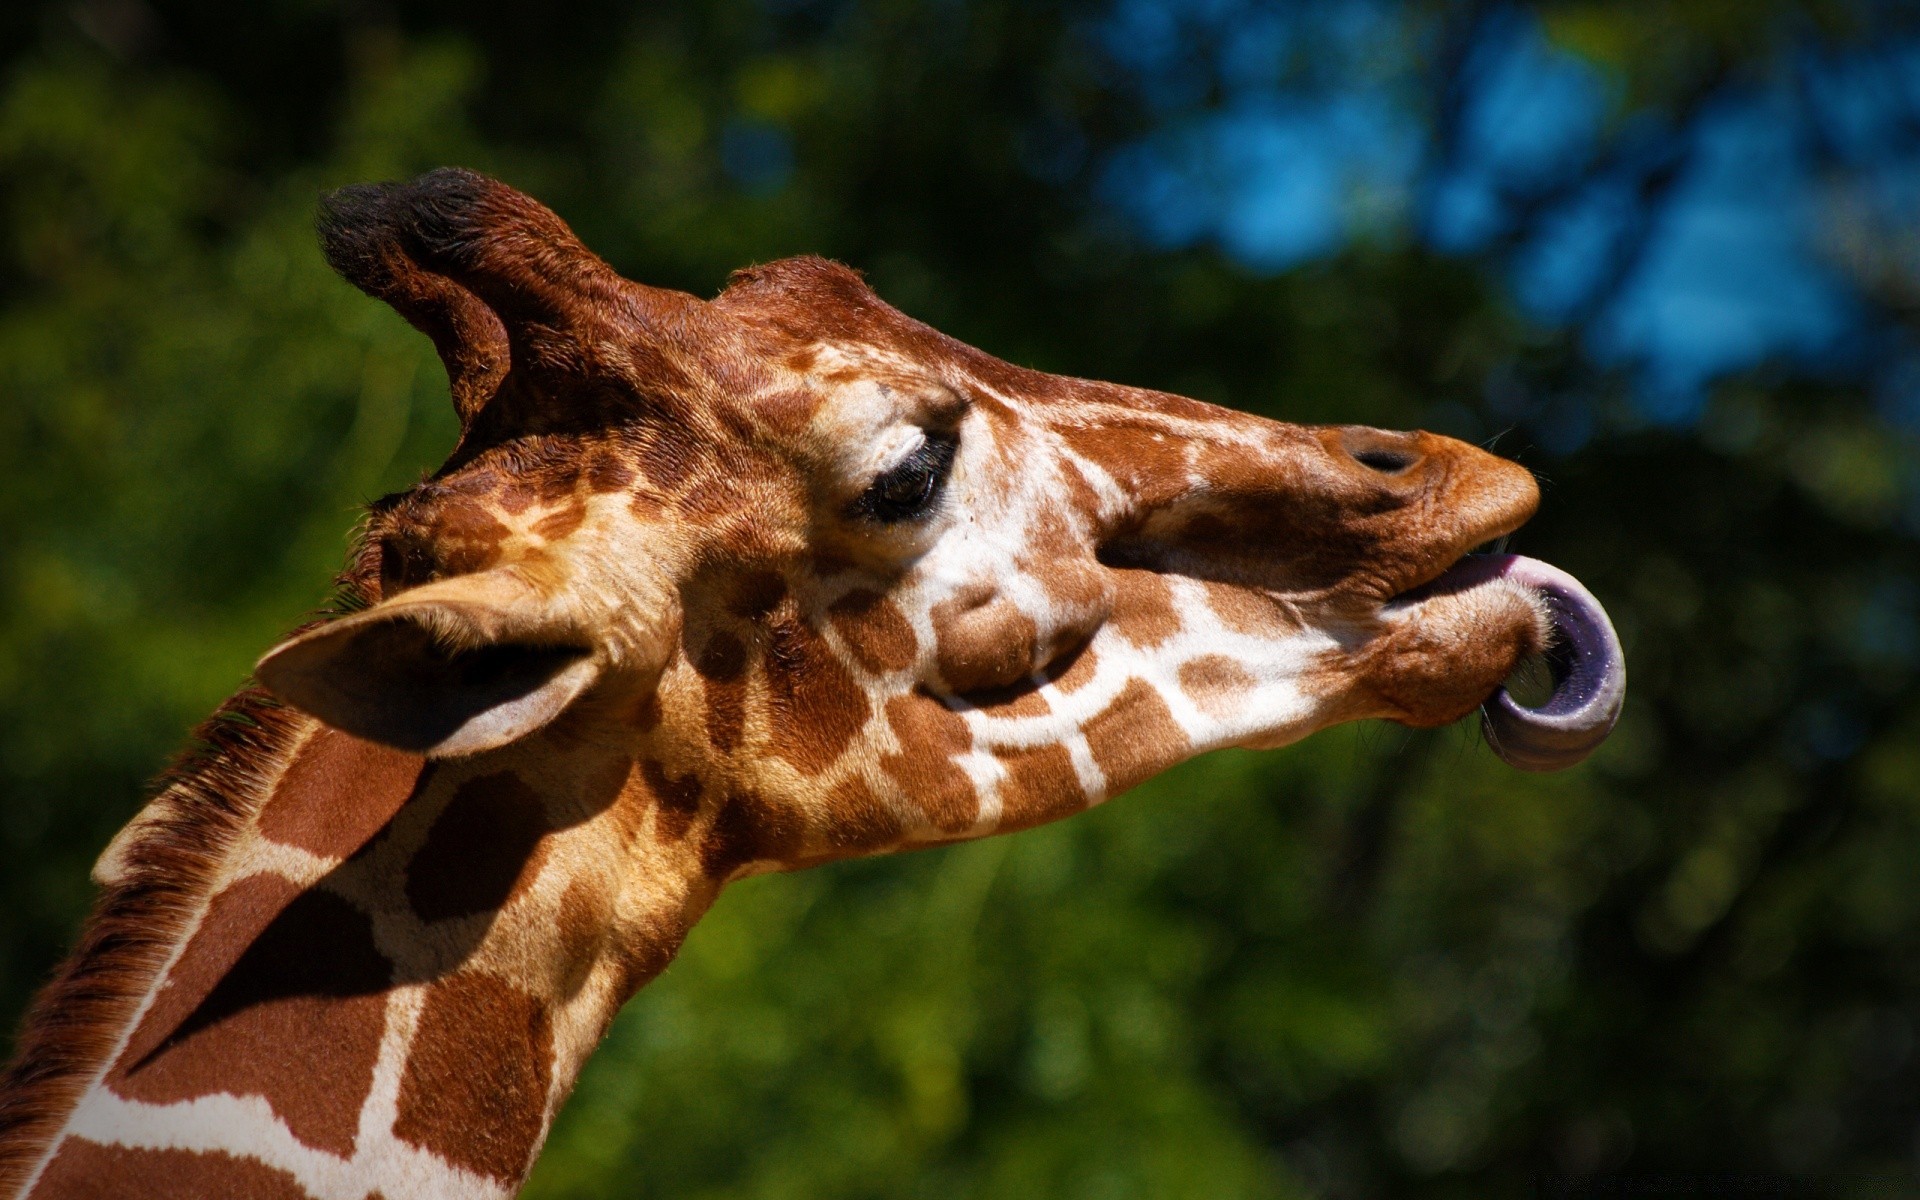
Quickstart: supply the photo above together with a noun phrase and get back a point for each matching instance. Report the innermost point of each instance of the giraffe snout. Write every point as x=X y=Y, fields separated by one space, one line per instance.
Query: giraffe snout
x=1489 y=496
x=1463 y=495
x=1464 y=479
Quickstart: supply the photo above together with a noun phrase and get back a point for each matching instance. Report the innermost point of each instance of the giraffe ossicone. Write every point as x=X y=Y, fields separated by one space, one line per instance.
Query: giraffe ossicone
x=710 y=588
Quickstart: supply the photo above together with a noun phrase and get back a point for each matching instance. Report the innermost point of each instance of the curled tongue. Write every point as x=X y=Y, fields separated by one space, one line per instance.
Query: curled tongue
x=1589 y=675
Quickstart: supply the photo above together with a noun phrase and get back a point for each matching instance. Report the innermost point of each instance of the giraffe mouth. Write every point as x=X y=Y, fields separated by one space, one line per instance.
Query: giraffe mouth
x=1589 y=668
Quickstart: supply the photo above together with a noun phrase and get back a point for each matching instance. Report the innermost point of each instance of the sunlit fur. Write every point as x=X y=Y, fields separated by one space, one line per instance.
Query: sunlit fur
x=728 y=669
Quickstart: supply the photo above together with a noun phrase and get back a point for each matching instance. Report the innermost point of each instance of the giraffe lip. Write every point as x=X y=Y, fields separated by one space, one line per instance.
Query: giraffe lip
x=1589 y=667
x=1467 y=571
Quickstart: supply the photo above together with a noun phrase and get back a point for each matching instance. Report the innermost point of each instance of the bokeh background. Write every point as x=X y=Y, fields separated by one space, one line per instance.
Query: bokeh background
x=1665 y=253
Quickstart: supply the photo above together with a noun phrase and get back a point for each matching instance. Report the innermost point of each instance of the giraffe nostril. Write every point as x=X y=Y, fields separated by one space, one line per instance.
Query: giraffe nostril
x=1387 y=462
x=1382 y=451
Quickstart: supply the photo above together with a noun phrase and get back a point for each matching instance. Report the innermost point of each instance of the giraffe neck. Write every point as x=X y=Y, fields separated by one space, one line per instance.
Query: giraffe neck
x=324 y=968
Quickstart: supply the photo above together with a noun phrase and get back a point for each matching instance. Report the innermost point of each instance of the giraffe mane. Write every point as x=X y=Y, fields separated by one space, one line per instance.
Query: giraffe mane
x=213 y=787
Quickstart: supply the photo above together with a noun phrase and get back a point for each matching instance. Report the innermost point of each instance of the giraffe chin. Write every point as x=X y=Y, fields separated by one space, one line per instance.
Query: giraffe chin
x=1589 y=668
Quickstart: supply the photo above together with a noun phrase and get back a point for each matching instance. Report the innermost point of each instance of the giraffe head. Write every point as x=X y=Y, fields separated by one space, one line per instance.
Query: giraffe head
x=874 y=587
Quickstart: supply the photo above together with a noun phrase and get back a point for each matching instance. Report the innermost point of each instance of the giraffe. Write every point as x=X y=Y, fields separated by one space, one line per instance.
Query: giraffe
x=708 y=589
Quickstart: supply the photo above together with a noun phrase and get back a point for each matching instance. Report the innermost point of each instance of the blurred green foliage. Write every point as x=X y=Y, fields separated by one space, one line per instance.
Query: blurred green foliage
x=1376 y=963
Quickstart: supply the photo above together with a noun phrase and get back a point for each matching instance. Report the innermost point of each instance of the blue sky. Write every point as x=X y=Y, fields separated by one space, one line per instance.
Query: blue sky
x=1319 y=134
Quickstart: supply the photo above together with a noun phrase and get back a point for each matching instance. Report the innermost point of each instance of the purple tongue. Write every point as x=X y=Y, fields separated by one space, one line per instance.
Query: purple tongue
x=1590 y=675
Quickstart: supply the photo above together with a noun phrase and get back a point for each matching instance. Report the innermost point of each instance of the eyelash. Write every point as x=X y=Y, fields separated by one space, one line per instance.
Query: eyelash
x=910 y=489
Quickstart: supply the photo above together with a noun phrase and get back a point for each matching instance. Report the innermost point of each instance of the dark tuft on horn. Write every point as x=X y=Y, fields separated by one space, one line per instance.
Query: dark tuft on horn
x=500 y=244
x=359 y=235
x=369 y=233
x=493 y=276
x=437 y=212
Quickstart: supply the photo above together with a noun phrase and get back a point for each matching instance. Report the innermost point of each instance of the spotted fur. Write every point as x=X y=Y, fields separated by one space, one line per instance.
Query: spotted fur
x=645 y=633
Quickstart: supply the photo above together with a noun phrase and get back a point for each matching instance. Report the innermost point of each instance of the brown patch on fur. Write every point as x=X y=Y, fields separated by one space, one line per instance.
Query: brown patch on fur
x=756 y=594
x=875 y=630
x=1143 y=608
x=858 y=821
x=75 y=1021
x=1237 y=469
x=816 y=707
x=581 y=923
x=338 y=792
x=1215 y=683
x=668 y=455
x=482 y=1111
x=788 y=412
x=1073 y=670
x=677 y=801
x=561 y=484
x=1040 y=785
x=486 y=847
x=465 y=537
x=1144 y=459
x=234 y=921
x=631 y=807
x=983 y=642
x=930 y=734
x=312 y=981
x=1057 y=557
x=561 y=521
x=748 y=829
x=1244 y=610
x=518 y=493
x=606 y=471
x=1134 y=737
x=711 y=496
x=646 y=504
x=1081 y=496
x=722 y=665
x=85 y=1170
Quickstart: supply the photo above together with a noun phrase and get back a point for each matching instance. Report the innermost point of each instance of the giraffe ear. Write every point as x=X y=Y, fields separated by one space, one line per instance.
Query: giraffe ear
x=451 y=668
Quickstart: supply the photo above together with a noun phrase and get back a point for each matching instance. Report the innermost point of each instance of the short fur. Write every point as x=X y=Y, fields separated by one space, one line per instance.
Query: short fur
x=1104 y=582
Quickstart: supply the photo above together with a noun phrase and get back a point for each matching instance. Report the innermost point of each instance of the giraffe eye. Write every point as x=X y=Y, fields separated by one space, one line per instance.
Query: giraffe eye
x=908 y=490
